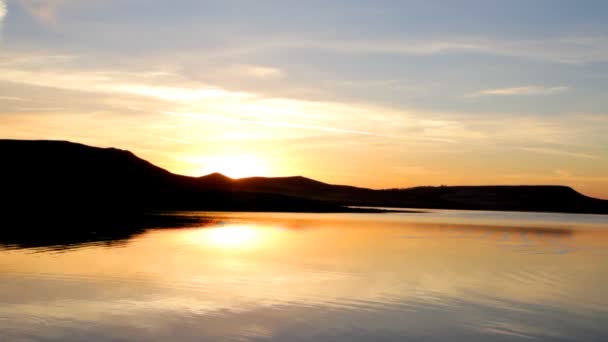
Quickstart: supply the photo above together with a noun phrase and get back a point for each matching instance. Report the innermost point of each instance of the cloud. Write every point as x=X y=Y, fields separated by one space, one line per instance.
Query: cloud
x=11 y=98
x=563 y=50
x=43 y=10
x=257 y=71
x=562 y=173
x=405 y=47
x=207 y=102
x=551 y=151
x=518 y=91
x=24 y=60
x=158 y=92
x=115 y=83
x=558 y=176
x=3 y=12
x=178 y=94
x=42 y=109
x=202 y=116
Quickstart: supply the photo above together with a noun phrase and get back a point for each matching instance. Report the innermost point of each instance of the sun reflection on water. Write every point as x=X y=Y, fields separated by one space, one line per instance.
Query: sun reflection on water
x=334 y=277
x=232 y=237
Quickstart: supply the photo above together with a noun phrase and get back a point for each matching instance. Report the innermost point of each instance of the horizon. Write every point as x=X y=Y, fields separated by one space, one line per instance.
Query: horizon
x=217 y=173
x=389 y=94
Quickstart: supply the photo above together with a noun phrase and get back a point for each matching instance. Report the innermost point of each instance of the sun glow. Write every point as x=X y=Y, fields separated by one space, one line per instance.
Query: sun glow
x=232 y=237
x=235 y=166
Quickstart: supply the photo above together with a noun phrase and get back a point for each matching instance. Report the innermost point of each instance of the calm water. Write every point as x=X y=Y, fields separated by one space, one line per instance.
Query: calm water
x=444 y=276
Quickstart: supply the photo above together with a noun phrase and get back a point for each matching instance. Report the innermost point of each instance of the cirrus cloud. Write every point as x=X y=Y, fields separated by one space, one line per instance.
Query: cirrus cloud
x=43 y=10
x=521 y=90
x=3 y=12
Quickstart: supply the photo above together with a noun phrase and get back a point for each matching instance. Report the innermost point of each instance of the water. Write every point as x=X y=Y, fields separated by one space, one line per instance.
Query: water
x=438 y=276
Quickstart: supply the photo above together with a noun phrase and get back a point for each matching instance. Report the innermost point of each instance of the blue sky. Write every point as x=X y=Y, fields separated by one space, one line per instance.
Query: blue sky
x=424 y=92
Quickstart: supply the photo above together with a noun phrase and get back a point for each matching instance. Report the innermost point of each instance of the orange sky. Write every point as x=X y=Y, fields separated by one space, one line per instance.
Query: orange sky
x=393 y=106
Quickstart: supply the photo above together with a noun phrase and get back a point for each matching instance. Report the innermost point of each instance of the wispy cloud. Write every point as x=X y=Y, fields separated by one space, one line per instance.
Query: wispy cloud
x=43 y=10
x=564 y=50
x=42 y=109
x=558 y=176
x=157 y=92
x=114 y=82
x=11 y=98
x=197 y=101
x=258 y=71
x=405 y=47
x=35 y=60
x=208 y=117
x=3 y=12
x=551 y=151
x=519 y=91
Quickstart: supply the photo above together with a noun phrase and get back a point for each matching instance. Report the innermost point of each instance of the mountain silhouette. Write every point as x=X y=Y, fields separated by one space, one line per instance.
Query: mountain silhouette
x=547 y=198
x=49 y=178
x=53 y=177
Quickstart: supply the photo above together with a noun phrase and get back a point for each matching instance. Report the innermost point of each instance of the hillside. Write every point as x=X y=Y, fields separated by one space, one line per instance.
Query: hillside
x=58 y=176
x=550 y=198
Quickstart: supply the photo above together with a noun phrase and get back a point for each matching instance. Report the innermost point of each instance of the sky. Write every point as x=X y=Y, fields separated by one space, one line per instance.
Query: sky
x=379 y=93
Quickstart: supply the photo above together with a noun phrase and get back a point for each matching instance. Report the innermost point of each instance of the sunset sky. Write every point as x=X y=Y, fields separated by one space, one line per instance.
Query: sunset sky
x=369 y=93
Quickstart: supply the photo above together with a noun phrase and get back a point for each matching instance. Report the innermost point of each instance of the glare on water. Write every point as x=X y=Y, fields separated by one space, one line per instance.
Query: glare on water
x=443 y=276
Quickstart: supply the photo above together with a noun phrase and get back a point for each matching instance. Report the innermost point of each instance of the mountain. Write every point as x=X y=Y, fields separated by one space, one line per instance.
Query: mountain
x=548 y=198
x=53 y=177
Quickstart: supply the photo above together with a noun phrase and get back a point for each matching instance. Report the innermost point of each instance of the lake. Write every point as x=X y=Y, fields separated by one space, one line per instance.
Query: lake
x=435 y=276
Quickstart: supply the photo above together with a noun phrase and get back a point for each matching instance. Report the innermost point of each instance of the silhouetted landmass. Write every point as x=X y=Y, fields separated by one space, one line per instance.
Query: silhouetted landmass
x=48 y=180
x=542 y=198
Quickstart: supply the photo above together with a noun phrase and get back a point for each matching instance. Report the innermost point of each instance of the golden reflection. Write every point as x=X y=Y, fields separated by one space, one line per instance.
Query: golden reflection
x=232 y=236
x=254 y=261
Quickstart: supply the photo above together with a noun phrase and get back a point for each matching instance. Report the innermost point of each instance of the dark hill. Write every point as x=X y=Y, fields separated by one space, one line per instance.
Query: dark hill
x=550 y=198
x=55 y=177
x=297 y=186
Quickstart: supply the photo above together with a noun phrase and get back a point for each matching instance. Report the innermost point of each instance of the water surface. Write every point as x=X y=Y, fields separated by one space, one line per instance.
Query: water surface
x=437 y=276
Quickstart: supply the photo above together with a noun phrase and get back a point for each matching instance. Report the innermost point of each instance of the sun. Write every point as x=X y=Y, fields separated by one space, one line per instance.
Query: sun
x=236 y=166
